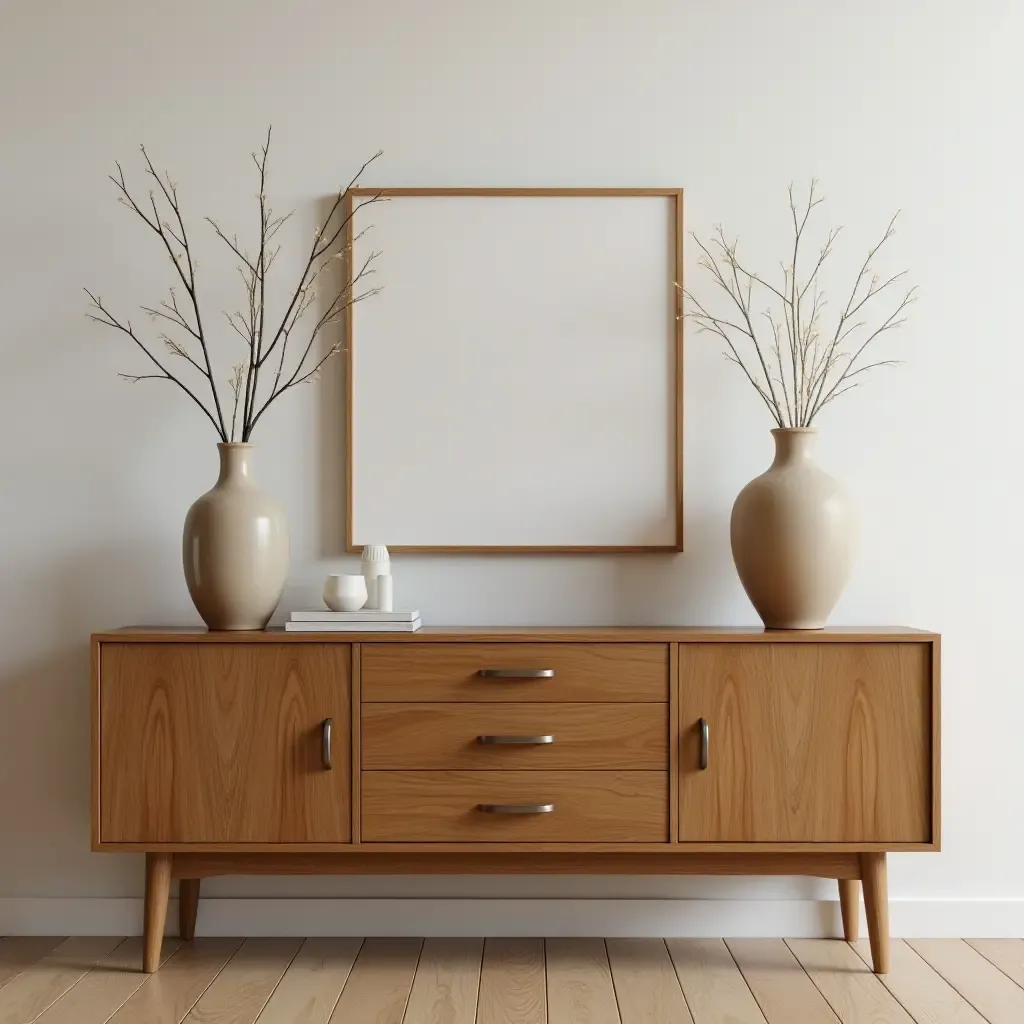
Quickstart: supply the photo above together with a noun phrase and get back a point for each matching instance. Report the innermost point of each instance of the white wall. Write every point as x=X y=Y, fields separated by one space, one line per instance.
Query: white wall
x=912 y=104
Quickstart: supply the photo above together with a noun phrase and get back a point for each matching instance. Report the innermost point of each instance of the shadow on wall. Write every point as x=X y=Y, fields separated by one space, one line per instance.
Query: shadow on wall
x=45 y=715
x=44 y=765
x=696 y=586
x=332 y=423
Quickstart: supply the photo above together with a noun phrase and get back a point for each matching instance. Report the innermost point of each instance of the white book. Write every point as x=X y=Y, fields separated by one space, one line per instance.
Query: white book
x=353 y=627
x=367 y=615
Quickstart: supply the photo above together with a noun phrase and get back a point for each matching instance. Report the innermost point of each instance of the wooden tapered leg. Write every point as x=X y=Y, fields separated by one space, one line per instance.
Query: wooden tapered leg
x=876 y=906
x=849 y=902
x=158 y=887
x=188 y=907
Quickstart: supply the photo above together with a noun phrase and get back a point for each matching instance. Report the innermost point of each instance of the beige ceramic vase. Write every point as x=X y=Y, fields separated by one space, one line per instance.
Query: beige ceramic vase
x=794 y=532
x=235 y=547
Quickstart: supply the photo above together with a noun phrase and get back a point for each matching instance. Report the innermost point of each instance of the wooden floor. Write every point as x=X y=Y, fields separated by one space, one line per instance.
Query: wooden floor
x=510 y=981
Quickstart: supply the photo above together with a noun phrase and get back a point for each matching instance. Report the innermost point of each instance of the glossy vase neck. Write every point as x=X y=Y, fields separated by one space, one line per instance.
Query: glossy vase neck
x=235 y=464
x=793 y=446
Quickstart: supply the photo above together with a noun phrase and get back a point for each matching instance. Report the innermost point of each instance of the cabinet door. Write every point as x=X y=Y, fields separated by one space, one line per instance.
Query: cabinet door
x=223 y=743
x=806 y=743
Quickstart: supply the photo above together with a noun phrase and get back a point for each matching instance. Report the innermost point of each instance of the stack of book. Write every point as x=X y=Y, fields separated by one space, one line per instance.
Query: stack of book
x=366 y=621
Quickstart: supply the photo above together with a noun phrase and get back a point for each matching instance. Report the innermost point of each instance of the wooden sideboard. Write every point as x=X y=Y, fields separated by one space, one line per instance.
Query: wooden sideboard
x=603 y=751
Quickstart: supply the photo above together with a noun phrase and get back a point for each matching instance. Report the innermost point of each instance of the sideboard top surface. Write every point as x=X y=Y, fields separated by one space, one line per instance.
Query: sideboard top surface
x=497 y=634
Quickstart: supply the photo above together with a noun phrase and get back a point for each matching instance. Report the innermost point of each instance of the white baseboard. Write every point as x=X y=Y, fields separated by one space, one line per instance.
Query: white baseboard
x=686 y=918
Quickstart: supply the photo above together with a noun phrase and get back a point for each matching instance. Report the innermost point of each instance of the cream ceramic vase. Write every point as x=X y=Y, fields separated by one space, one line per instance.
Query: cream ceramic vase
x=794 y=532
x=235 y=547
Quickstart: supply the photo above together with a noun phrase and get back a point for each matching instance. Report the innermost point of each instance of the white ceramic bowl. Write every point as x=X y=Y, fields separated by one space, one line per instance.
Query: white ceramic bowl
x=345 y=592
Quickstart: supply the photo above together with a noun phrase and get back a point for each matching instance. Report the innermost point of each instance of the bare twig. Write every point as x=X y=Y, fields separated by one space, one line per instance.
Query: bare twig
x=251 y=326
x=237 y=376
x=802 y=372
x=893 y=321
x=170 y=193
x=106 y=318
x=737 y=298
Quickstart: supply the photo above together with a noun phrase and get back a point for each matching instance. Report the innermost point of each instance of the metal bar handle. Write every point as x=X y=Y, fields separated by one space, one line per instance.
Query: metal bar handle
x=516 y=673
x=325 y=744
x=705 y=743
x=516 y=808
x=514 y=741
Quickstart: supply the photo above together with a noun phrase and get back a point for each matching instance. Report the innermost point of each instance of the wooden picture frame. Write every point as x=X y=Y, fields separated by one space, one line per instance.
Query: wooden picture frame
x=374 y=374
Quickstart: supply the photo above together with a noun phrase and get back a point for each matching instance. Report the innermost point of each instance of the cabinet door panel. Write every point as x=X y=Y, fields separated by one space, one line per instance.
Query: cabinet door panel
x=807 y=743
x=222 y=743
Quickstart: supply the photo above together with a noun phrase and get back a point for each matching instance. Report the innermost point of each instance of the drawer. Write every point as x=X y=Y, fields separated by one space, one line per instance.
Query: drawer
x=446 y=807
x=475 y=736
x=540 y=672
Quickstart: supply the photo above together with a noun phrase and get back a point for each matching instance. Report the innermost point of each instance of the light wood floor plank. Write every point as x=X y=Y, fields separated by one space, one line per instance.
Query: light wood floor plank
x=511 y=981
x=852 y=990
x=513 y=987
x=99 y=994
x=447 y=982
x=1006 y=954
x=378 y=988
x=242 y=989
x=580 y=989
x=19 y=952
x=646 y=987
x=712 y=984
x=983 y=985
x=28 y=995
x=925 y=995
x=781 y=987
x=311 y=986
x=167 y=996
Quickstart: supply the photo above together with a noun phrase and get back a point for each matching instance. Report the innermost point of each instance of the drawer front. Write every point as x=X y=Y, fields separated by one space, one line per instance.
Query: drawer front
x=475 y=736
x=411 y=672
x=447 y=807
x=224 y=743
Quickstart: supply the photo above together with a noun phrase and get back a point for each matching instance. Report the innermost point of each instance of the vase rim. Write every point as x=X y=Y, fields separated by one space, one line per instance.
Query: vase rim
x=794 y=430
x=235 y=444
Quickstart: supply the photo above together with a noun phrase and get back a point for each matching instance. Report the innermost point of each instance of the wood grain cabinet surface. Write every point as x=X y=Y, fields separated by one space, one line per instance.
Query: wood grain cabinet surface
x=646 y=750
x=224 y=744
x=817 y=743
x=634 y=673
x=509 y=735
x=515 y=807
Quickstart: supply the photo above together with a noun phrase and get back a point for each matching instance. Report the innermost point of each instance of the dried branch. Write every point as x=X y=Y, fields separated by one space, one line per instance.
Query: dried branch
x=333 y=315
x=737 y=297
x=170 y=193
x=893 y=321
x=251 y=324
x=259 y=292
x=106 y=318
x=802 y=373
x=237 y=376
x=323 y=242
x=706 y=322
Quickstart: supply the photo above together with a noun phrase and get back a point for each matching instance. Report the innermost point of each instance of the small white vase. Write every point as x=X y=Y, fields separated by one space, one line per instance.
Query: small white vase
x=235 y=547
x=345 y=592
x=375 y=562
x=794 y=533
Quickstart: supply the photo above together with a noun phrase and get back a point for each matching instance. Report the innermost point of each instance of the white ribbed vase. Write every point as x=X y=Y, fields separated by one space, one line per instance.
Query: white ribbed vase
x=794 y=533
x=235 y=547
x=375 y=562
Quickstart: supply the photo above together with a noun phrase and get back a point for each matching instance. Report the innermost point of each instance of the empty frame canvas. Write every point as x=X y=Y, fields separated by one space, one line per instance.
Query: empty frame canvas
x=516 y=385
